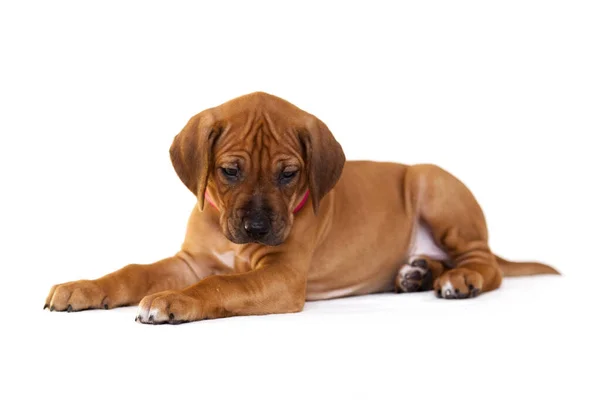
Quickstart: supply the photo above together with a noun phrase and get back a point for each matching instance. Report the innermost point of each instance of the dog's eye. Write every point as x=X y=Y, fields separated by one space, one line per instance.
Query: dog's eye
x=287 y=175
x=230 y=172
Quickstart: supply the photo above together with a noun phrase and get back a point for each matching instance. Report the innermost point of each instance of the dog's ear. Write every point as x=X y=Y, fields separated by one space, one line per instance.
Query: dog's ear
x=324 y=159
x=192 y=155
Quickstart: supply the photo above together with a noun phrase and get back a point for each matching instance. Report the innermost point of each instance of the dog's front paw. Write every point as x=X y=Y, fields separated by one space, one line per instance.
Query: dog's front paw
x=172 y=307
x=77 y=296
x=459 y=283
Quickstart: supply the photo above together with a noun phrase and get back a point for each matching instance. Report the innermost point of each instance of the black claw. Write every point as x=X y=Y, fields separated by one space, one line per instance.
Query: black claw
x=475 y=292
x=45 y=306
x=171 y=317
x=52 y=308
x=136 y=319
x=175 y=321
x=471 y=287
x=106 y=306
x=69 y=308
x=419 y=262
x=438 y=293
x=151 y=318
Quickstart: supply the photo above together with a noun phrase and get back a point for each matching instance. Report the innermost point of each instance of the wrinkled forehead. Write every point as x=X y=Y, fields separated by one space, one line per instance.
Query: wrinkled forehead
x=259 y=137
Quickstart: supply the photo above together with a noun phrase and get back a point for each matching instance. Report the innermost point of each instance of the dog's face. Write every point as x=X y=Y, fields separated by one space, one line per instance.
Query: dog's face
x=254 y=158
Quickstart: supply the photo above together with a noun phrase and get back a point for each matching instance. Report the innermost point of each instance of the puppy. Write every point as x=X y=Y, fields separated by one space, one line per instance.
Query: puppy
x=282 y=218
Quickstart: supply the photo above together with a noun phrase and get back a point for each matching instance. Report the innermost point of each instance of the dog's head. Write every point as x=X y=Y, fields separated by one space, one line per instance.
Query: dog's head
x=254 y=158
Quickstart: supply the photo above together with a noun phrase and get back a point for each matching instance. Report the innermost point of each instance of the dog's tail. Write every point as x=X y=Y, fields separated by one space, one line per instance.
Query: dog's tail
x=511 y=268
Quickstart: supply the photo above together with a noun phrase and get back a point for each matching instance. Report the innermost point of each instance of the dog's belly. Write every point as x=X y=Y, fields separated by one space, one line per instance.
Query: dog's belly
x=378 y=277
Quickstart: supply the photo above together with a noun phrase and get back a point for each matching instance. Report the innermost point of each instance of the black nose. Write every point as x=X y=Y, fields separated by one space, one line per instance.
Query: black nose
x=257 y=226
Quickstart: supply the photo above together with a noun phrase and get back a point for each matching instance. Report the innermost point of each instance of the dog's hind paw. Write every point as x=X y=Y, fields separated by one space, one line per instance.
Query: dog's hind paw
x=460 y=283
x=414 y=277
x=418 y=274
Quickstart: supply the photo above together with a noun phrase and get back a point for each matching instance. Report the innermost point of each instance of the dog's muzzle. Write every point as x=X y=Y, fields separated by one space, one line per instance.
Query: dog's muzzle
x=257 y=226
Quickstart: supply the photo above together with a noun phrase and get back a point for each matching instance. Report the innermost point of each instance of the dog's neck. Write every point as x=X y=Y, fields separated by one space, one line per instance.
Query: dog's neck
x=298 y=207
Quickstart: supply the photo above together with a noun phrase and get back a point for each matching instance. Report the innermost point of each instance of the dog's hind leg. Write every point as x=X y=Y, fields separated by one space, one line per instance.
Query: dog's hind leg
x=458 y=226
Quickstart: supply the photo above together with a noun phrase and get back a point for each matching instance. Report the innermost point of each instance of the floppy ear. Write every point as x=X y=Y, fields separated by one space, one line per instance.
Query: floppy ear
x=324 y=159
x=191 y=153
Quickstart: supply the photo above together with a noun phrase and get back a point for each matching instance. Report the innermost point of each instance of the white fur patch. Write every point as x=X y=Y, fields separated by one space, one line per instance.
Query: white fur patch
x=227 y=258
x=447 y=289
x=154 y=314
x=142 y=314
x=424 y=245
x=145 y=315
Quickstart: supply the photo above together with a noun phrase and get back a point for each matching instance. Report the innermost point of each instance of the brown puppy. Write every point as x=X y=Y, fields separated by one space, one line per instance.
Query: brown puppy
x=281 y=218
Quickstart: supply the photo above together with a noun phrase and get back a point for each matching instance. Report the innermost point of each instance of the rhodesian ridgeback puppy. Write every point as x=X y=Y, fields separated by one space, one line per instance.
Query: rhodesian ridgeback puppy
x=282 y=218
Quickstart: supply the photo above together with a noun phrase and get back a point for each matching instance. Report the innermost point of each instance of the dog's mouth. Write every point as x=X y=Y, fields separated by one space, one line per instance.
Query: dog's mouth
x=270 y=240
x=266 y=242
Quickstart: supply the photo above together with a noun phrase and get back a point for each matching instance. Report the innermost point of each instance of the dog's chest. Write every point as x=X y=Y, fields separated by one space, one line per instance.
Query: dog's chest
x=227 y=258
x=232 y=261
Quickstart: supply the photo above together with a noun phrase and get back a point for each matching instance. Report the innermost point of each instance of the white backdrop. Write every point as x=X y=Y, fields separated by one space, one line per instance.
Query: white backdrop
x=503 y=95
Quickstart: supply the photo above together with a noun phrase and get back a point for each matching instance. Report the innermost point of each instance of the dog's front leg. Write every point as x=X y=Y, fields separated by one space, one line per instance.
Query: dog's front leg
x=275 y=286
x=127 y=285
